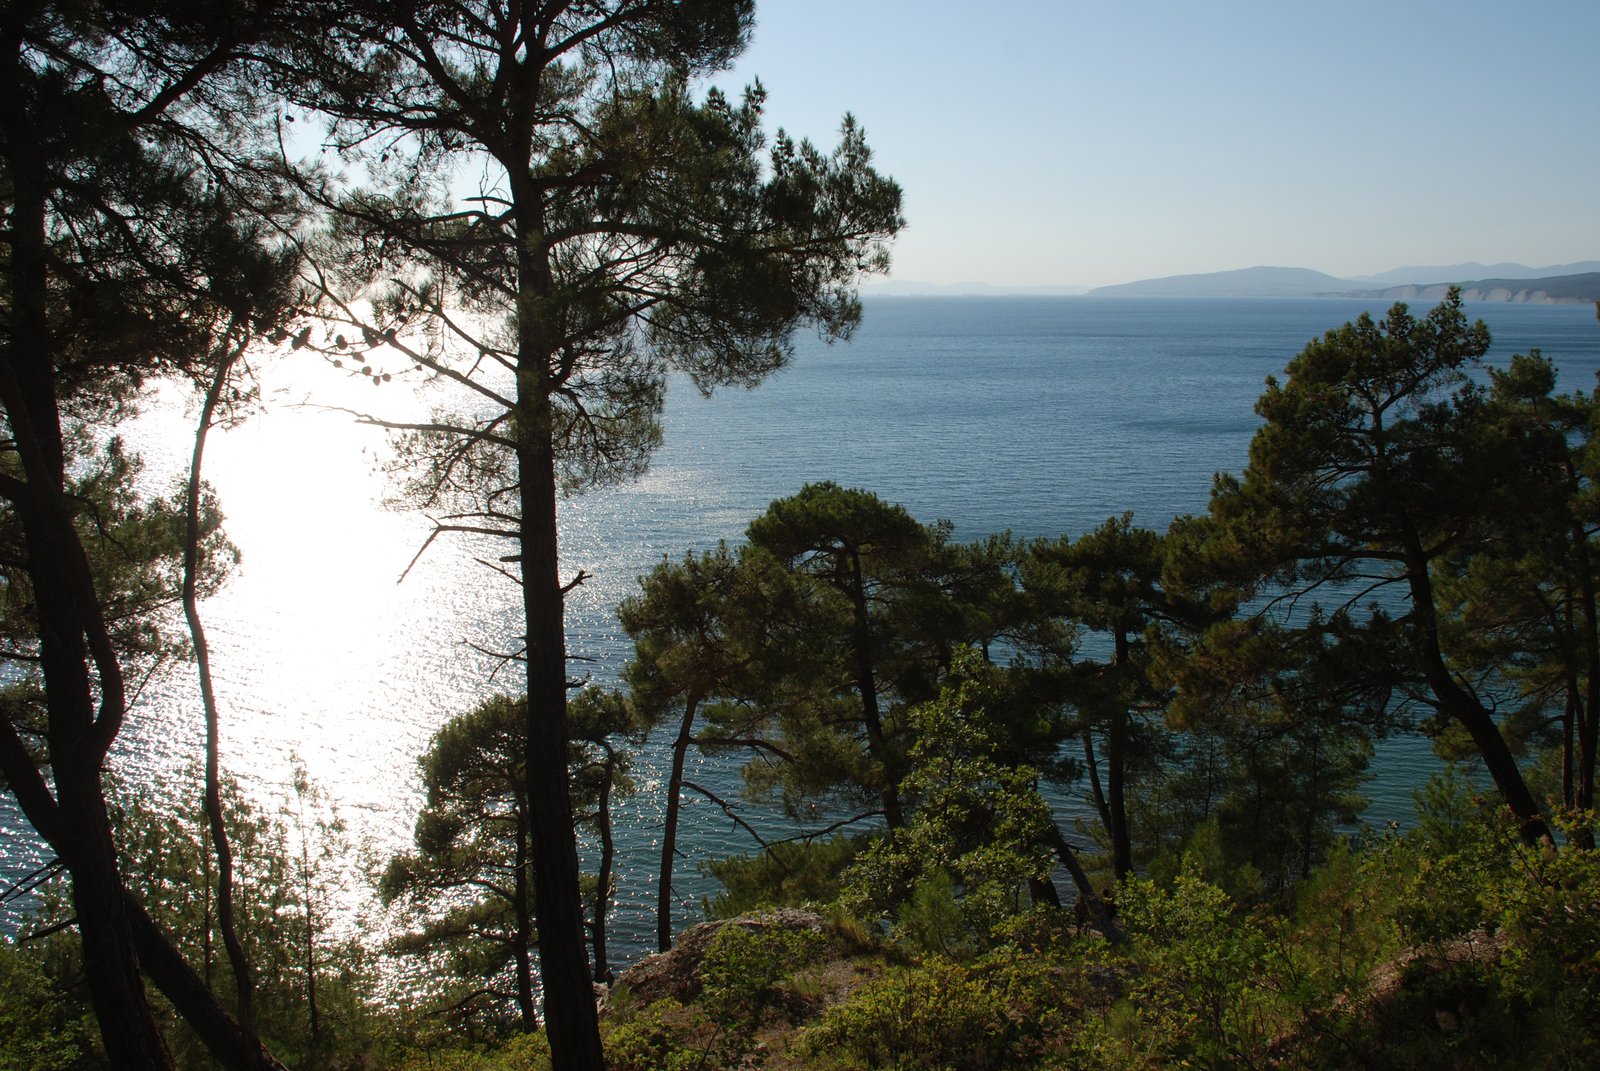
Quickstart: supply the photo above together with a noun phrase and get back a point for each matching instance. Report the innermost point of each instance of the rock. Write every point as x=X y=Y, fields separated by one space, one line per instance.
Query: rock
x=675 y=974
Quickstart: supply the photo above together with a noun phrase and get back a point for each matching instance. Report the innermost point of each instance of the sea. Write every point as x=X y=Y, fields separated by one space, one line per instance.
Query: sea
x=344 y=639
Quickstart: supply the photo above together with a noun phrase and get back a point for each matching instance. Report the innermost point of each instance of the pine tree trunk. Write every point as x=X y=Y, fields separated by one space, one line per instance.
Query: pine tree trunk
x=192 y=998
x=71 y=635
x=867 y=687
x=669 y=834
x=1116 y=781
x=244 y=983
x=570 y=1018
x=1094 y=908
x=1466 y=711
x=523 y=909
x=571 y=1021
x=602 y=885
x=1117 y=774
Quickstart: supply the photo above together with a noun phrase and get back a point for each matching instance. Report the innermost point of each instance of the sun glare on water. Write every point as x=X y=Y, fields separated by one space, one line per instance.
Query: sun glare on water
x=322 y=657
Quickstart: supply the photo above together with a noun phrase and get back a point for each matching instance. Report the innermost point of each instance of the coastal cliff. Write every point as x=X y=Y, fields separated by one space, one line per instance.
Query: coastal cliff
x=1554 y=290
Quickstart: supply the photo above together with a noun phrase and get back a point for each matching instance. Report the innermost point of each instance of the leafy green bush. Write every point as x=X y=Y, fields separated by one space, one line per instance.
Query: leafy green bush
x=932 y=921
x=647 y=1041
x=1195 y=965
x=978 y=830
x=744 y=971
x=1506 y=965
x=938 y=1014
x=524 y=1052
x=41 y=1027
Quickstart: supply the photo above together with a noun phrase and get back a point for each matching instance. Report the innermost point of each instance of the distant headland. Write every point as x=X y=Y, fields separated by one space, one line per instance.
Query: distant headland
x=1560 y=284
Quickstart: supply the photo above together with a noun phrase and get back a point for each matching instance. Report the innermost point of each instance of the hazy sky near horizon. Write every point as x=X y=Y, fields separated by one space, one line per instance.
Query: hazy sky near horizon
x=1067 y=143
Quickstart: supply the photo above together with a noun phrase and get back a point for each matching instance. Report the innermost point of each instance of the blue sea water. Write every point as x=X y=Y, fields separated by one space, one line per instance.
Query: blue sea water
x=1042 y=416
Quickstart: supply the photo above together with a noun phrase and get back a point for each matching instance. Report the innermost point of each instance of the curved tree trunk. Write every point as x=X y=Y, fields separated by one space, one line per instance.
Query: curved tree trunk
x=193 y=999
x=669 y=834
x=608 y=851
x=1117 y=773
x=72 y=636
x=244 y=984
x=160 y=961
x=1116 y=801
x=1094 y=907
x=1466 y=711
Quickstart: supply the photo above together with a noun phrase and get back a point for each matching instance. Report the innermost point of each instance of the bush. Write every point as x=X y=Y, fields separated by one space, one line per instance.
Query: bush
x=41 y=1027
x=646 y=1041
x=1197 y=966
x=745 y=970
x=938 y=1014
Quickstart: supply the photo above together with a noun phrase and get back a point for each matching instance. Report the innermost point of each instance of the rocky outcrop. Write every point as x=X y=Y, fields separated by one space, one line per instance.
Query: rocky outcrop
x=675 y=974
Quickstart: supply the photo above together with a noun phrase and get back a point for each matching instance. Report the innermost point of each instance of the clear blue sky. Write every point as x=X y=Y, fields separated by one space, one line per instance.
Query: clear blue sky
x=1091 y=143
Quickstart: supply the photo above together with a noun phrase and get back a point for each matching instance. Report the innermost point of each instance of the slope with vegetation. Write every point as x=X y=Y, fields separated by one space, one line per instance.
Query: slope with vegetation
x=1409 y=547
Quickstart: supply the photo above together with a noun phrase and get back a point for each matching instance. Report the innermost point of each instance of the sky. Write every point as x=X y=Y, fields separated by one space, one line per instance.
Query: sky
x=1084 y=144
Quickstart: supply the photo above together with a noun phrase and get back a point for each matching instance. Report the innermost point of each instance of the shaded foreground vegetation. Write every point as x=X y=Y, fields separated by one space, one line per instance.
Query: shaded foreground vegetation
x=1452 y=945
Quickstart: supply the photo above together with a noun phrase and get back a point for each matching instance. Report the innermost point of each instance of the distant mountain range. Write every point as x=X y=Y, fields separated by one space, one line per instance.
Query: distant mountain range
x=1561 y=284
x=1474 y=270
x=1558 y=284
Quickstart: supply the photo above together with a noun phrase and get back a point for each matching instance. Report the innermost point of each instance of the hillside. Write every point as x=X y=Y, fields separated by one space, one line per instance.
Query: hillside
x=1551 y=290
x=1243 y=282
x=1473 y=270
x=1516 y=283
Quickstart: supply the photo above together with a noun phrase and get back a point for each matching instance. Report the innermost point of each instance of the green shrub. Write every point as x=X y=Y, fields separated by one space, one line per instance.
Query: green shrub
x=646 y=1041
x=41 y=1027
x=936 y=1015
x=1196 y=965
x=745 y=968
x=932 y=920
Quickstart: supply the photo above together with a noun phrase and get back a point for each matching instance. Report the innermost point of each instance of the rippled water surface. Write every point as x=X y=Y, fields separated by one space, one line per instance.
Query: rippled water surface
x=1039 y=415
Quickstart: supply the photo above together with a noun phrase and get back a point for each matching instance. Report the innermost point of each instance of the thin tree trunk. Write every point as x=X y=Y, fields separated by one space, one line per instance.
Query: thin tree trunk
x=521 y=889
x=313 y=1015
x=867 y=686
x=602 y=888
x=669 y=834
x=1116 y=781
x=244 y=984
x=1117 y=772
x=1097 y=791
x=1587 y=714
x=1094 y=907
